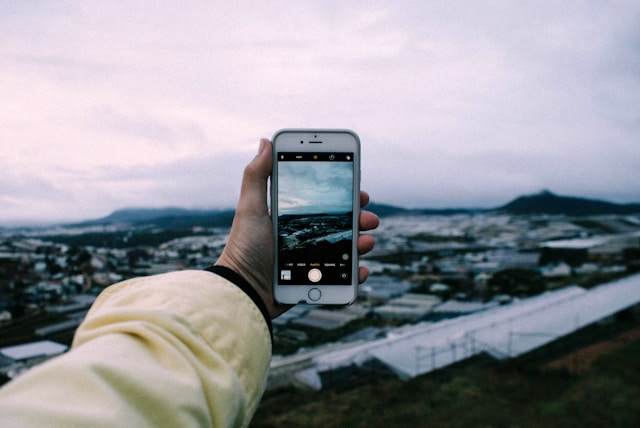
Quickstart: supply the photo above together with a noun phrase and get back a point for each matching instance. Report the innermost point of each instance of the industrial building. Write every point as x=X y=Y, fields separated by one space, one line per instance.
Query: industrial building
x=504 y=331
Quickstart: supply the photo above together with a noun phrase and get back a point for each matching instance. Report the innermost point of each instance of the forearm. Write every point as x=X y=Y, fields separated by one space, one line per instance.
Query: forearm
x=181 y=349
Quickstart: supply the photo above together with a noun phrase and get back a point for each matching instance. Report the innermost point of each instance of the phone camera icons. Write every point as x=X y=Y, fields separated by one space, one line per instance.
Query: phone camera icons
x=332 y=157
x=315 y=275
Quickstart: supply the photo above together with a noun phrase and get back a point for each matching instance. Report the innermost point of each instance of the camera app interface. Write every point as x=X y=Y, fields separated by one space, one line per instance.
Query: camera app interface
x=315 y=218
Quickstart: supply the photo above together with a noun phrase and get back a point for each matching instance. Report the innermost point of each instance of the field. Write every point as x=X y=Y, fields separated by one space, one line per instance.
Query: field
x=581 y=382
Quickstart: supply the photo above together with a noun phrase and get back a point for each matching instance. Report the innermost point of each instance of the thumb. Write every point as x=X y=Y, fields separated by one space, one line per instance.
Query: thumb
x=253 y=193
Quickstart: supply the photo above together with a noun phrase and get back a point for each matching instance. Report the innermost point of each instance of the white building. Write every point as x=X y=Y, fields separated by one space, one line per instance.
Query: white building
x=505 y=331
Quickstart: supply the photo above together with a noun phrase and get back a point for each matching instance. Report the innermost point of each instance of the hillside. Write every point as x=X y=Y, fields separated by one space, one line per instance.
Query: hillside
x=544 y=202
x=385 y=210
x=167 y=217
x=547 y=202
x=588 y=379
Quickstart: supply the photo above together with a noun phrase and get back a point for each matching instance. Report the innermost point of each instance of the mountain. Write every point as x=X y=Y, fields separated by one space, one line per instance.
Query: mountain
x=544 y=202
x=547 y=202
x=167 y=217
x=385 y=210
x=135 y=215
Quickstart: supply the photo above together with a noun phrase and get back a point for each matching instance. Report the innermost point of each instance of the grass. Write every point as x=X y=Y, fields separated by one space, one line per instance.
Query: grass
x=476 y=393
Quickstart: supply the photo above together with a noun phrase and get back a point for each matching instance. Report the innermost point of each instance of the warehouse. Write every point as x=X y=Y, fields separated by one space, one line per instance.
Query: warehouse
x=505 y=331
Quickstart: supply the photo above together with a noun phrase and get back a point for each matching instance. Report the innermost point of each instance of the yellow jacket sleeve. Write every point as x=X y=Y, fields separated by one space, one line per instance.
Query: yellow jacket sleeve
x=184 y=349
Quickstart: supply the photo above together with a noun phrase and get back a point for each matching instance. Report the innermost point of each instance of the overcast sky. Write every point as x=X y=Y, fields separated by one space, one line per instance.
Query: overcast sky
x=315 y=187
x=106 y=105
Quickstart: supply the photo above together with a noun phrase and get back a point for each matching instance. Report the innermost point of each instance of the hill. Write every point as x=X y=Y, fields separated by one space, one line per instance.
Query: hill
x=385 y=210
x=544 y=202
x=569 y=383
x=167 y=217
x=547 y=202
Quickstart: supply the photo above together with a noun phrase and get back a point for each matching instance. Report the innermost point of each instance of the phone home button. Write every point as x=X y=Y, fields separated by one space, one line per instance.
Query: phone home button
x=314 y=294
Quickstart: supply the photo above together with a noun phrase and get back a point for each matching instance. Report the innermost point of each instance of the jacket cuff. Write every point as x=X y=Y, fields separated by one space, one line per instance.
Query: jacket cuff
x=243 y=285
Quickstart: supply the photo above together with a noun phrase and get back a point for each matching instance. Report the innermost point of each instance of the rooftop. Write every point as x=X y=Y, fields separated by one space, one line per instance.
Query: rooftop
x=43 y=348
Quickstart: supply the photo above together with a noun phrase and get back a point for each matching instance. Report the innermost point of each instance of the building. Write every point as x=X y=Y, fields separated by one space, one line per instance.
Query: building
x=504 y=331
x=411 y=307
x=14 y=360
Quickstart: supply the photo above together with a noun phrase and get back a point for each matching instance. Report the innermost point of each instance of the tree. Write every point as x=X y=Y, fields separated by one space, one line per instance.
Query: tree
x=516 y=282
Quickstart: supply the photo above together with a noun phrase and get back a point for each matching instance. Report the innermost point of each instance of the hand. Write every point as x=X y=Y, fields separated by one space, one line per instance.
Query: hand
x=249 y=250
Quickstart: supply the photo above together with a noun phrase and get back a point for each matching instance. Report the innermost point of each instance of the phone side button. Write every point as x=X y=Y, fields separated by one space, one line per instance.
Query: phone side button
x=314 y=294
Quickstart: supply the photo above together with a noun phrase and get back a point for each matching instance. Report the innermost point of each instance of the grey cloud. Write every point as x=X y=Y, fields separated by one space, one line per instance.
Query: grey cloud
x=145 y=126
x=458 y=103
x=206 y=182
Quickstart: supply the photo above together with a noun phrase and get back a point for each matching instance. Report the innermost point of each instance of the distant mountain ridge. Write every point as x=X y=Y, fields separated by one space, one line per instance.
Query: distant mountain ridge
x=547 y=202
x=544 y=202
x=167 y=217
x=132 y=215
x=386 y=210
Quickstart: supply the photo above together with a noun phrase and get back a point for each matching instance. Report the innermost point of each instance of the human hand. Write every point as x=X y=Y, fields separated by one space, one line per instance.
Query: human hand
x=249 y=250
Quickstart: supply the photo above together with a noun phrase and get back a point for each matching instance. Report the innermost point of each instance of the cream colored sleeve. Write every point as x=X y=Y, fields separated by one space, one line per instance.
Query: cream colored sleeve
x=184 y=349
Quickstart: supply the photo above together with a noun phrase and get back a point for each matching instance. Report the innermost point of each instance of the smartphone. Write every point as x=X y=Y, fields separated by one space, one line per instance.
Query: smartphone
x=315 y=206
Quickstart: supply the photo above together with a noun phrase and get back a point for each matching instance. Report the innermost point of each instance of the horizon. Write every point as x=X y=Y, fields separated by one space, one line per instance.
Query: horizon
x=72 y=222
x=456 y=104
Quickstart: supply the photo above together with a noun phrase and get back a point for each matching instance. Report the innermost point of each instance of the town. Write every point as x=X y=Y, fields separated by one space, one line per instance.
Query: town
x=425 y=268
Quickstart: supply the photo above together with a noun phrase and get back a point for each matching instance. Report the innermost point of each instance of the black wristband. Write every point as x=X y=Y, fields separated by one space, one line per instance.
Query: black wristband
x=244 y=285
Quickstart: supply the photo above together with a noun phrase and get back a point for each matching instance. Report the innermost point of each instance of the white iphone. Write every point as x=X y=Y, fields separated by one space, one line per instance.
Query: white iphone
x=315 y=206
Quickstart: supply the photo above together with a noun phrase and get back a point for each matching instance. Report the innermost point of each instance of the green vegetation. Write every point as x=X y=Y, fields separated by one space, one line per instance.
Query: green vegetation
x=431 y=238
x=516 y=282
x=122 y=239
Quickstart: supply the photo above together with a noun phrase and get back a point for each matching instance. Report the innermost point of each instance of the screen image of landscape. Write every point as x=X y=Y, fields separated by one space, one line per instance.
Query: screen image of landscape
x=315 y=217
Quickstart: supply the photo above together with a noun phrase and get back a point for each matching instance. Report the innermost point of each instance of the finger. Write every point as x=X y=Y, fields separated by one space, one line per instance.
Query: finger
x=363 y=274
x=253 y=194
x=365 y=243
x=368 y=220
x=364 y=199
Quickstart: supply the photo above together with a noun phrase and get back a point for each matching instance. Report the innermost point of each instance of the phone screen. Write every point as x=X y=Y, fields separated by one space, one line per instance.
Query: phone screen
x=315 y=218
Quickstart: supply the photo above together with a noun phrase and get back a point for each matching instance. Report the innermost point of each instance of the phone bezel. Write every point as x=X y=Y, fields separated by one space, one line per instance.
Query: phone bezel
x=306 y=140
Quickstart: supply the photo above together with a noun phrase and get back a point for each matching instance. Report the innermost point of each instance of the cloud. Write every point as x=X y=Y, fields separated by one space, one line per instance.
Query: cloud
x=315 y=187
x=456 y=103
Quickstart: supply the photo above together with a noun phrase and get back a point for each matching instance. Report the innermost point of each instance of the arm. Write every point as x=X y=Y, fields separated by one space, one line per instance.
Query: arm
x=156 y=351
x=183 y=349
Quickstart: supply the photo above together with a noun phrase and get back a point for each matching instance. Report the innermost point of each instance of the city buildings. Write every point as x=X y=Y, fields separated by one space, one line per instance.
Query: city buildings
x=425 y=268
